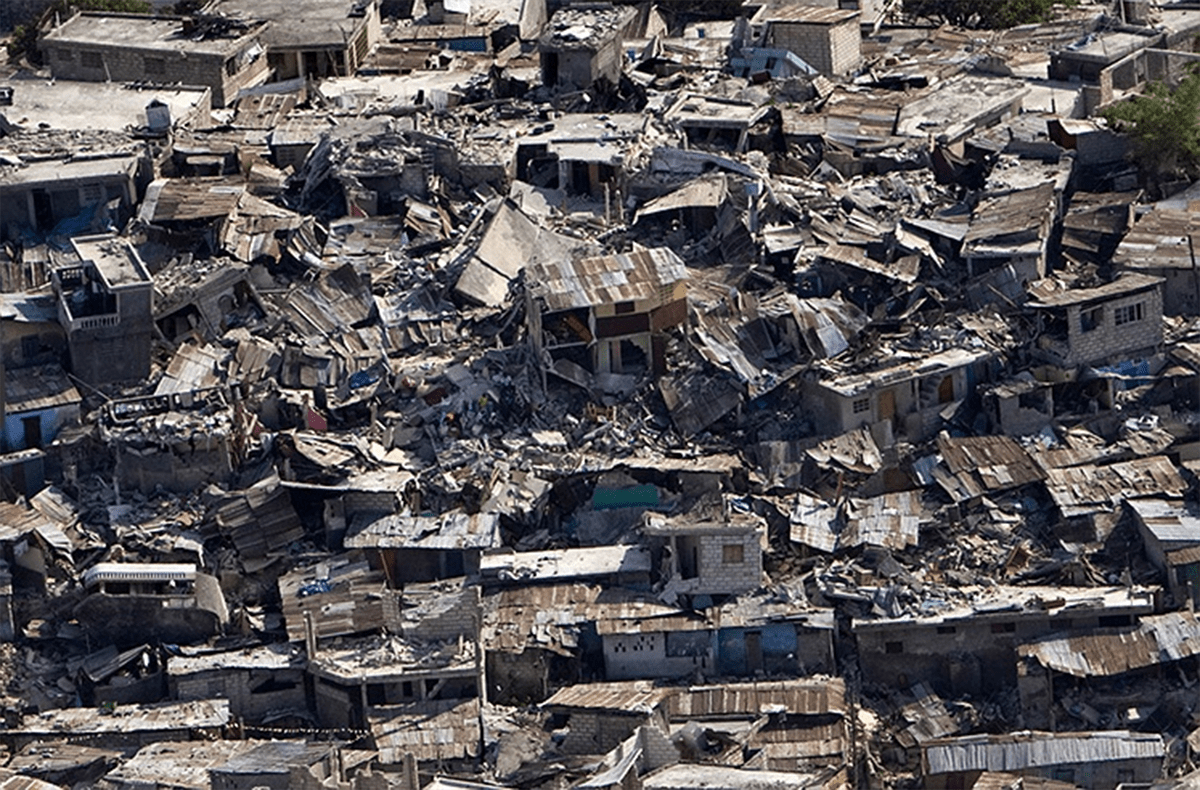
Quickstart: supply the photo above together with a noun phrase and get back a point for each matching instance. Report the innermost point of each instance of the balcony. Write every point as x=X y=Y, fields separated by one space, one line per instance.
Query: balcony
x=96 y=321
x=87 y=321
x=81 y=306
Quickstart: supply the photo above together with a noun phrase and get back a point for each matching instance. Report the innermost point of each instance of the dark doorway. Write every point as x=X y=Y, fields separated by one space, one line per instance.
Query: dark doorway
x=754 y=659
x=946 y=390
x=43 y=210
x=33 y=431
x=550 y=68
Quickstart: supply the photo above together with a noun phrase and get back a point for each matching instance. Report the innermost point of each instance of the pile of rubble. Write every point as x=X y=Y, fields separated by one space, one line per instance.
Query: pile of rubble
x=592 y=395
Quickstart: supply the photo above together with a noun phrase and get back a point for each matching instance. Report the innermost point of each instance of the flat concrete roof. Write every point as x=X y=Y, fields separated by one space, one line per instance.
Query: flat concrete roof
x=805 y=14
x=1107 y=47
x=116 y=260
x=63 y=104
x=299 y=24
x=138 y=32
x=61 y=170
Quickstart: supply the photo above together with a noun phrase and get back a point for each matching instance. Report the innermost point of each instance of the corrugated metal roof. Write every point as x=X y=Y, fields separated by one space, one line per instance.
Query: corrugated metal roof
x=1023 y=750
x=807 y=697
x=1043 y=602
x=454 y=530
x=196 y=714
x=283 y=655
x=1160 y=239
x=905 y=270
x=45 y=757
x=37 y=388
x=10 y=780
x=1125 y=284
x=1080 y=490
x=192 y=368
x=688 y=776
x=702 y=192
x=1156 y=640
x=264 y=111
x=549 y=616
x=890 y=520
x=343 y=599
x=607 y=279
x=810 y=14
x=429 y=730
x=565 y=563
x=984 y=464
x=274 y=757
x=184 y=200
x=635 y=697
x=1172 y=523
x=1186 y=556
x=814 y=523
x=17 y=521
x=789 y=743
x=180 y=765
x=1010 y=219
x=667 y=623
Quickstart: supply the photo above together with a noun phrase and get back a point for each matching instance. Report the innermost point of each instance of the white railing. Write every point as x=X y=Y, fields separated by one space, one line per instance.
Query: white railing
x=95 y=321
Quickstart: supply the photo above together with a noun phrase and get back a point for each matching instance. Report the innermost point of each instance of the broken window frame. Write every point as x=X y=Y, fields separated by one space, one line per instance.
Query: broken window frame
x=1091 y=319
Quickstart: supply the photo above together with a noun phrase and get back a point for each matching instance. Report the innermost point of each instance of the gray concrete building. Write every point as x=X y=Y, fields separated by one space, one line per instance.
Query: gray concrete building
x=582 y=44
x=828 y=39
x=310 y=38
x=1110 y=323
x=104 y=305
x=223 y=54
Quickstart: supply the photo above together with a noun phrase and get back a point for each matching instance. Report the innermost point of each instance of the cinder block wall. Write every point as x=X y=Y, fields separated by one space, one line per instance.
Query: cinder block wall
x=1109 y=340
x=67 y=60
x=830 y=49
x=718 y=577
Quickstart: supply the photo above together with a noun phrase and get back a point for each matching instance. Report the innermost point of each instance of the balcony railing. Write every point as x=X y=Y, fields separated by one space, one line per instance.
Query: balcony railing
x=72 y=324
x=95 y=321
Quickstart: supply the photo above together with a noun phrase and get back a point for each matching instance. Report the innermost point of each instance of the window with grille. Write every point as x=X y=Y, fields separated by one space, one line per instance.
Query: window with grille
x=1128 y=314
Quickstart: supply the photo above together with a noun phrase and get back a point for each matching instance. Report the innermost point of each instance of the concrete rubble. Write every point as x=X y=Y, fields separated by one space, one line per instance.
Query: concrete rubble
x=463 y=394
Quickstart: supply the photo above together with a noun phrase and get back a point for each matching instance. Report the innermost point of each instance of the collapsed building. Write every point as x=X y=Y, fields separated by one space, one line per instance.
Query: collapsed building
x=456 y=395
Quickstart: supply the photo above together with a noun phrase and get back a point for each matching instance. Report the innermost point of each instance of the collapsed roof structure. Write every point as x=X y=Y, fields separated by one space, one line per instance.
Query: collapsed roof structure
x=596 y=395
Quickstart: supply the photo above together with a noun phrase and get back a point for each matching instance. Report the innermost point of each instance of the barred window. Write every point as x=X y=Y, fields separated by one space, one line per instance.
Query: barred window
x=1128 y=314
